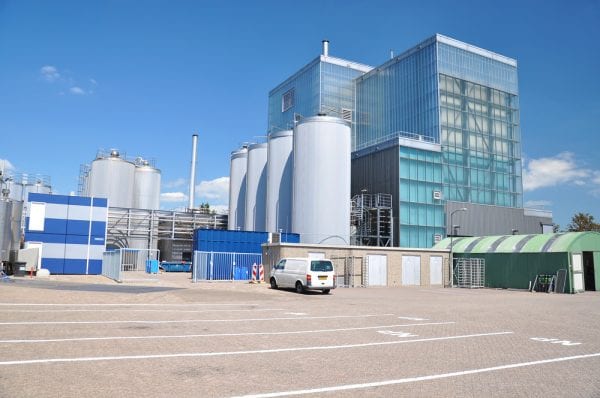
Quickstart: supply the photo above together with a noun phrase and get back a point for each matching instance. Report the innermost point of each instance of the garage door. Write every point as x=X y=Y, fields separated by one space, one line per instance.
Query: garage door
x=411 y=270
x=377 y=269
x=435 y=270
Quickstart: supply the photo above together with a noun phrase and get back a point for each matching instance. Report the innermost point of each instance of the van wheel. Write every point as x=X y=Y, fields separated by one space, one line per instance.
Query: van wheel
x=326 y=291
x=299 y=287
x=273 y=283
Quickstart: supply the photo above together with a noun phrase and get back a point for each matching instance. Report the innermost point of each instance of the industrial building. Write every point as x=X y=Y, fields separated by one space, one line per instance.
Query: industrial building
x=436 y=128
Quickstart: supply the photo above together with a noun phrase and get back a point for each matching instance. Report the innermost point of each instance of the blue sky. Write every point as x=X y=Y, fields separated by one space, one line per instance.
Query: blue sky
x=76 y=76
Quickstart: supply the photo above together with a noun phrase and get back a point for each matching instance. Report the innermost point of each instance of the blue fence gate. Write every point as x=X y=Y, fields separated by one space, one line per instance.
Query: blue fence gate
x=219 y=266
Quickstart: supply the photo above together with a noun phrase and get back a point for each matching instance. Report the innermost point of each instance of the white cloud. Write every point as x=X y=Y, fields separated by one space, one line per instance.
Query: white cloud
x=49 y=73
x=94 y=82
x=175 y=183
x=214 y=191
x=596 y=178
x=173 y=197
x=6 y=165
x=77 y=90
x=538 y=203
x=552 y=171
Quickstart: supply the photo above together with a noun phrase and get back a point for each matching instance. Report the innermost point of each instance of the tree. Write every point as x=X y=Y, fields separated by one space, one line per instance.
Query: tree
x=583 y=222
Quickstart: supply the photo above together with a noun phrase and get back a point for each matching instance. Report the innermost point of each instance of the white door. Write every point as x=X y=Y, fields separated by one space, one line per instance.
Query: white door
x=435 y=270
x=577 y=262
x=377 y=270
x=411 y=270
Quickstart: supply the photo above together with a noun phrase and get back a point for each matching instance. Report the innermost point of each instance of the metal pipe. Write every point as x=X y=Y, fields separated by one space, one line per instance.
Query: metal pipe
x=193 y=171
x=325 y=47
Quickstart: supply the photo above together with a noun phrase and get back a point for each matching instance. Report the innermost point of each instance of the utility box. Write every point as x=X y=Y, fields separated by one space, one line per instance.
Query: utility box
x=152 y=266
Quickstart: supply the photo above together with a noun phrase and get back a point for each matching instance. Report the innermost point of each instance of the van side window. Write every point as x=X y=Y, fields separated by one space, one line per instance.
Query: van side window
x=280 y=265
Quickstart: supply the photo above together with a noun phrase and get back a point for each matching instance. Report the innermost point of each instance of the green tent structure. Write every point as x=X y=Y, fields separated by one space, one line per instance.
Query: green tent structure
x=514 y=261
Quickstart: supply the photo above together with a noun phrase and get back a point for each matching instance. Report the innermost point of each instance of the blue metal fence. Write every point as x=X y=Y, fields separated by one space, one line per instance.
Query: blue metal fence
x=217 y=266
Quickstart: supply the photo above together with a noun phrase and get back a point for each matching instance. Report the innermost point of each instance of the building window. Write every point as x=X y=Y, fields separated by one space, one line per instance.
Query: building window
x=287 y=100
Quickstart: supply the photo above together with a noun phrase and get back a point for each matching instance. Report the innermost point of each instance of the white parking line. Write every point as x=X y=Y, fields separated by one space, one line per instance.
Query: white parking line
x=219 y=334
x=121 y=304
x=136 y=310
x=227 y=353
x=190 y=320
x=412 y=319
x=416 y=379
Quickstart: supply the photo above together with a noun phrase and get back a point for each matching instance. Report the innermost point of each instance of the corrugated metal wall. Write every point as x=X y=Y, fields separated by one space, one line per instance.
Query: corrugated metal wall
x=483 y=220
x=516 y=270
x=378 y=172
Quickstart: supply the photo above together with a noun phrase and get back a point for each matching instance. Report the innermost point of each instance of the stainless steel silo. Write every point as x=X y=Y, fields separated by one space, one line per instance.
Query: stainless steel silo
x=112 y=177
x=10 y=227
x=237 y=189
x=146 y=186
x=256 y=188
x=321 y=181
x=279 y=181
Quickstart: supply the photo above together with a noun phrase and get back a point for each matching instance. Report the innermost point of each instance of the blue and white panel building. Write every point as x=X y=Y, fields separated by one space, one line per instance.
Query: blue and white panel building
x=71 y=229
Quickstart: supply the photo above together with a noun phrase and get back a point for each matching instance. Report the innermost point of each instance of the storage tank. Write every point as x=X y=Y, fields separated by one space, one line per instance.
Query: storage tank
x=20 y=185
x=279 y=181
x=10 y=227
x=146 y=186
x=321 y=181
x=256 y=188
x=237 y=189
x=38 y=186
x=112 y=177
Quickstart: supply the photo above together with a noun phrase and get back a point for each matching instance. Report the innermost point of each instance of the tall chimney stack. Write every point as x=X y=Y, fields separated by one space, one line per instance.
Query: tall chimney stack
x=193 y=171
x=325 y=47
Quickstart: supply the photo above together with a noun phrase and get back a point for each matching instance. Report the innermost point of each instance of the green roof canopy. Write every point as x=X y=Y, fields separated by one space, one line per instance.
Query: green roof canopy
x=541 y=243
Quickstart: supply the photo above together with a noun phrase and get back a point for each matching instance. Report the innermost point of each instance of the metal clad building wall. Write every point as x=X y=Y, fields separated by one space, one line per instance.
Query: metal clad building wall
x=256 y=188
x=321 y=181
x=484 y=220
x=378 y=172
x=279 y=181
x=112 y=178
x=72 y=232
x=237 y=189
x=146 y=188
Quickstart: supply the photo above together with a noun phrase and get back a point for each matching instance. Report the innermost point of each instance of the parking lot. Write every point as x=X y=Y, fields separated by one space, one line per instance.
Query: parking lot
x=74 y=337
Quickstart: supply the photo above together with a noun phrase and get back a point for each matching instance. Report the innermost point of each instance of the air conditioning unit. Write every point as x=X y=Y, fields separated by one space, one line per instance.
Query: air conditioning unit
x=437 y=238
x=437 y=195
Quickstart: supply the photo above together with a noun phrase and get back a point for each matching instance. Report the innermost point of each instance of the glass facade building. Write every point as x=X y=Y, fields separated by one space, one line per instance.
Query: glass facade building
x=457 y=96
x=451 y=112
x=325 y=85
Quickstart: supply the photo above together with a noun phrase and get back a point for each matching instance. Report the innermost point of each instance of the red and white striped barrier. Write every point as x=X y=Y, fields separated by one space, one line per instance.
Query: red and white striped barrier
x=254 y=269
x=261 y=273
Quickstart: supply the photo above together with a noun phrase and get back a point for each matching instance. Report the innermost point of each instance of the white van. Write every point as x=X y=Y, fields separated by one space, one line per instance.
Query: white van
x=303 y=274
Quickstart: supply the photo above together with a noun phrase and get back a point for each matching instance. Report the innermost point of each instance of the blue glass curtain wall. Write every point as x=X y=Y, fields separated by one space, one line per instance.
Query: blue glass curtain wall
x=421 y=214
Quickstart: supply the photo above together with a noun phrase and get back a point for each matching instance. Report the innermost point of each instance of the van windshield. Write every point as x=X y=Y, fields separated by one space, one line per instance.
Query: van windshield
x=321 y=266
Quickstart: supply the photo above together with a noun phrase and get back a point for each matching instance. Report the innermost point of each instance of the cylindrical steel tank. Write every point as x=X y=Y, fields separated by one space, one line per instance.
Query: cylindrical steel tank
x=37 y=187
x=279 y=181
x=20 y=185
x=11 y=213
x=146 y=186
x=237 y=189
x=321 y=181
x=256 y=187
x=112 y=177
x=15 y=189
